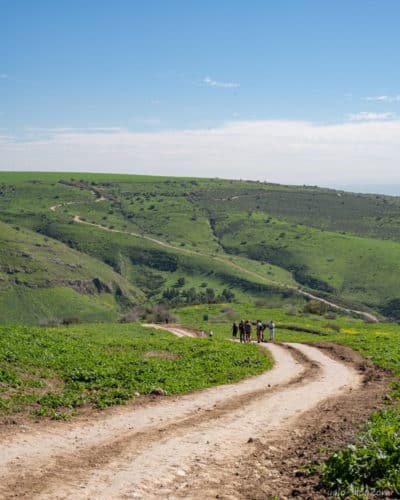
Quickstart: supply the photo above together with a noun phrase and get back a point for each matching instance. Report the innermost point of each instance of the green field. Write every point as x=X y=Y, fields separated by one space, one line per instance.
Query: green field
x=56 y=371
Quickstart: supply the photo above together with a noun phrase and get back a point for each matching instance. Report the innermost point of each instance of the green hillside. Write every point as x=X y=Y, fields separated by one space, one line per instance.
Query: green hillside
x=185 y=241
x=44 y=280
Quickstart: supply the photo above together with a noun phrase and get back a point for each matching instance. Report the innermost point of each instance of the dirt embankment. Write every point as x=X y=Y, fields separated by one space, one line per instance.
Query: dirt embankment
x=247 y=440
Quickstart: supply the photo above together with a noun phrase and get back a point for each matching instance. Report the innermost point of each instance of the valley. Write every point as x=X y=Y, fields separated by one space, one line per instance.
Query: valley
x=94 y=268
x=241 y=241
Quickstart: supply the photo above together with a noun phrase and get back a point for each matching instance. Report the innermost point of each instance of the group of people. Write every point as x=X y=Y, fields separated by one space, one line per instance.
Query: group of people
x=244 y=329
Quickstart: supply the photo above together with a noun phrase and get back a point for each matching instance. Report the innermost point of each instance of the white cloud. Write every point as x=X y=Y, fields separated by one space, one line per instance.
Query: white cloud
x=292 y=152
x=225 y=85
x=368 y=116
x=384 y=98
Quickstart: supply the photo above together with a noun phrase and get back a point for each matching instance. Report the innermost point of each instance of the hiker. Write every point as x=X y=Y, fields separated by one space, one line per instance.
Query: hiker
x=241 y=331
x=247 y=329
x=234 y=329
x=271 y=326
x=264 y=327
x=260 y=334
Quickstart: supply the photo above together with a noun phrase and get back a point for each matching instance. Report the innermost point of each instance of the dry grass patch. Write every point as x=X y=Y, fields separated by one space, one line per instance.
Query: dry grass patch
x=162 y=355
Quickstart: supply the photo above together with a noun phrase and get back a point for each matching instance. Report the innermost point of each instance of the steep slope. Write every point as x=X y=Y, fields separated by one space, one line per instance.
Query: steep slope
x=349 y=268
x=43 y=279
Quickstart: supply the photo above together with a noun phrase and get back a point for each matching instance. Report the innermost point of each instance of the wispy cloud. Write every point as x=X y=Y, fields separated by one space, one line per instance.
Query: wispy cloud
x=3 y=76
x=288 y=152
x=224 y=85
x=369 y=116
x=383 y=98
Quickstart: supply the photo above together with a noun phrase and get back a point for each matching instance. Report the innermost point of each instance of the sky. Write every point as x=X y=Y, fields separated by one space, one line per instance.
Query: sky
x=288 y=91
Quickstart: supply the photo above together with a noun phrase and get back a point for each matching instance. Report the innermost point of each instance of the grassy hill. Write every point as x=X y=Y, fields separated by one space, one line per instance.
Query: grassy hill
x=186 y=241
x=45 y=280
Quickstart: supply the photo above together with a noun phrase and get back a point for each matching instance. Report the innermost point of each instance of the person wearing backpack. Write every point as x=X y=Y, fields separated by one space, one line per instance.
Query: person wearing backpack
x=247 y=328
x=259 y=328
x=234 y=329
x=271 y=326
x=241 y=331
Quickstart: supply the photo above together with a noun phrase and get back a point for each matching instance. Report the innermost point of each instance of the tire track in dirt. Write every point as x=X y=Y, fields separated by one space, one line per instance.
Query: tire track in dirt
x=38 y=455
x=116 y=458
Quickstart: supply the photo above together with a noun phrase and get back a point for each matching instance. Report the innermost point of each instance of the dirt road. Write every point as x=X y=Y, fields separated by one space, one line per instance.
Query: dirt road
x=187 y=446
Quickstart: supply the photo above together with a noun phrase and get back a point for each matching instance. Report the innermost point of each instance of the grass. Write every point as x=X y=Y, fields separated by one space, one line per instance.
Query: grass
x=55 y=371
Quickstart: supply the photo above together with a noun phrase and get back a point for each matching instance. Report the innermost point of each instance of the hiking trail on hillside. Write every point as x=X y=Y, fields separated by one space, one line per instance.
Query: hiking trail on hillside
x=181 y=446
x=76 y=218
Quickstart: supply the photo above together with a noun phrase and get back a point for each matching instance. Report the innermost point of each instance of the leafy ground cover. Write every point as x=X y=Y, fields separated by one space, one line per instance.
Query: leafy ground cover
x=55 y=371
x=371 y=464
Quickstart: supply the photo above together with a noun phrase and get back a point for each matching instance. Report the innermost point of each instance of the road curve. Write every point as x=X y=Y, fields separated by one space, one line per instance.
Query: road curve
x=142 y=452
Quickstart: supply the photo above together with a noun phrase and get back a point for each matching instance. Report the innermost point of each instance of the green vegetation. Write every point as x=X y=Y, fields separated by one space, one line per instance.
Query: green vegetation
x=44 y=280
x=246 y=240
x=372 y=465
x=55 y=371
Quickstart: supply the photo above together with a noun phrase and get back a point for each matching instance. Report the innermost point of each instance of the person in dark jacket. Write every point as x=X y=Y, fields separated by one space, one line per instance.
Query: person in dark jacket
x=247 y=329
x=241 y=331
x=234 y=329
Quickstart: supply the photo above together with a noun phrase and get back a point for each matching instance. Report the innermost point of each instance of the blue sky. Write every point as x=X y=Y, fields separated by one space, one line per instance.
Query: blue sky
x=290 y=91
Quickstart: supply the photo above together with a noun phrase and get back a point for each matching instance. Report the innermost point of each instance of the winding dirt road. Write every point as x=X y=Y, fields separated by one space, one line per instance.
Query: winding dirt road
x=173 y=447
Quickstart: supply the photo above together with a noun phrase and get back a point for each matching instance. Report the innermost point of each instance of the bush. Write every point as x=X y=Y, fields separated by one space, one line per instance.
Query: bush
x=45 y=322
x=133 y=316
x=70 y=321
x=229 y=313
x=160 y=314
x=315 y=307
x=330 y=315
x=333 y=327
